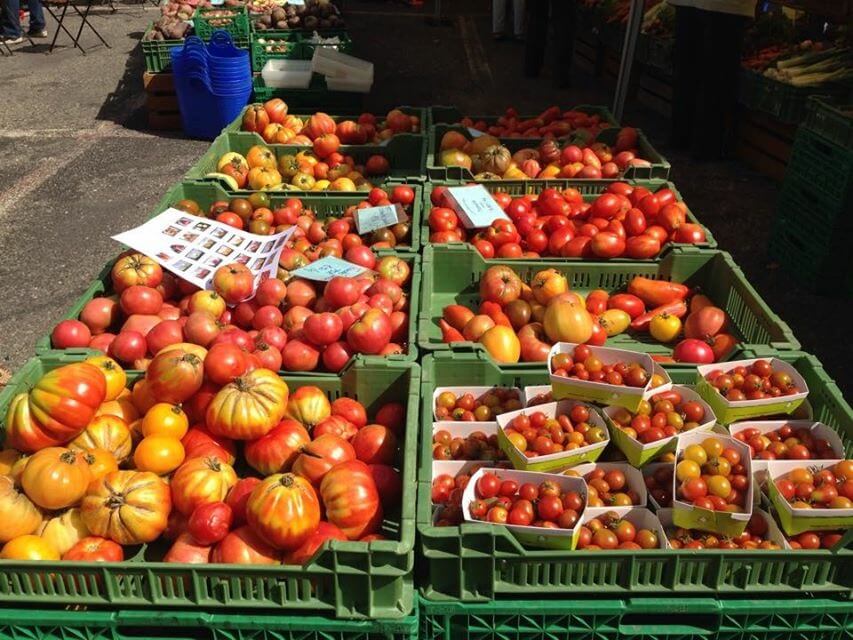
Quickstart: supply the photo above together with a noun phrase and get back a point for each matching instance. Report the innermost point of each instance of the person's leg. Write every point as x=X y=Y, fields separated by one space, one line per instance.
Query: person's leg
x=720 y=67
x=518 y=18
x=37 y=23
x=498 y=17
x=685 y=75
x=563 y=19
x=9 y=20
x=536 y=37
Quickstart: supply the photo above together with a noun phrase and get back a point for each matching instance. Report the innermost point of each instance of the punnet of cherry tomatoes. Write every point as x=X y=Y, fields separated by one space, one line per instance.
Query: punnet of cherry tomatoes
x=224 y=465
x=283 y=323
x=623 y=222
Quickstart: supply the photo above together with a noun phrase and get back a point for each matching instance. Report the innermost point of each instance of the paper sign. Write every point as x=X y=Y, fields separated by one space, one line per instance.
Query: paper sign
x=372 y=218
x=193 y=248
x=327 y=268
x=475 y=133
x=475 y=206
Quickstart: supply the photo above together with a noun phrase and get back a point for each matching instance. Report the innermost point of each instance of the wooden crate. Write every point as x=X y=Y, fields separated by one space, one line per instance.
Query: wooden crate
x=764 y=143
x=161 y=102
x=656 y=92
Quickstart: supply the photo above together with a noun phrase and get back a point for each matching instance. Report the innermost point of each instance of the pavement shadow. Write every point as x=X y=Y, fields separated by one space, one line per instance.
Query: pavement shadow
x=125 y=105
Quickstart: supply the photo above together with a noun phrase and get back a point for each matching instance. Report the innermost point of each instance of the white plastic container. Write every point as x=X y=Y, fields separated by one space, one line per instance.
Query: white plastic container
x=334 y=64
x=351 y=85
x=287 y=74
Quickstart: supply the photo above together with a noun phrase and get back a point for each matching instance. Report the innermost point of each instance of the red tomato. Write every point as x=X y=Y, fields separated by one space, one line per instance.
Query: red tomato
x=607 y=244
x=443 y=219
x=209 y=523
x=642 y=247
x=95 y=549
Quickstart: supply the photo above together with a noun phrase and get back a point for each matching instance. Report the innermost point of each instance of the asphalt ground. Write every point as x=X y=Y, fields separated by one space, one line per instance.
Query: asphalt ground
x=79 y=166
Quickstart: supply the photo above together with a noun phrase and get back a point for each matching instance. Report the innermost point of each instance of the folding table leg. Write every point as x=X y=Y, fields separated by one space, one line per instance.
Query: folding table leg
x=60 y=25
x=84 y=21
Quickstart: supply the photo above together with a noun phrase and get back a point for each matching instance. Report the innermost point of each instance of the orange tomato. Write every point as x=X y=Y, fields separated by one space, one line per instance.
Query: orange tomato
x=502 y=344
x=260 y=156
x=28 y=547
x=114 y=374
x=8 y=458
x=158 y=454
x=56 y=477
x=123 y=408
x=101 y=462
x=164 y=419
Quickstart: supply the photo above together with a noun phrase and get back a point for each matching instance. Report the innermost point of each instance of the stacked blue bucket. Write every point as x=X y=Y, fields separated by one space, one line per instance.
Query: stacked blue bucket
x=213 y=83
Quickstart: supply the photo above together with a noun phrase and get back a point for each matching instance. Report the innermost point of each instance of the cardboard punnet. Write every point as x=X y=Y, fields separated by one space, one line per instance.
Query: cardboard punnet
x=537 y=392
x=555 y=461
x=633 y=477
x=818 y=430
x=477 y=392
x=602 y=392
x=723 y=522
x=640 y=517
x=565 y=539
x=639 y=454
x=774 y=534
x=728 y=412
x=795 y=521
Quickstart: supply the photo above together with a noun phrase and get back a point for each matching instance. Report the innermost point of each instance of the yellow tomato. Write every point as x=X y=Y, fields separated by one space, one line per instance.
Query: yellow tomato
x=696 y=453
x=115 y=375
x=614 y=321
x=123 y=408
x=29 y=547
x=159 y=454
x=719 y=486
x=518 y=440
x=665 y=327
x=502 y=343
x=164 y=419
x=713 y=447
x=686 y=470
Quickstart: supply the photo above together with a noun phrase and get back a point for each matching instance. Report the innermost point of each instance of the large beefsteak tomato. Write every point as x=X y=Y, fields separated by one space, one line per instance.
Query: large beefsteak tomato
x=309 y=405
x=249 y=407
x=128 y=507
x=106 y=432
x=56 y=477
x=276 y=451
x=351 y=499
x=18 y=515
x=321 y=455
x=59 y=407
x=199 y=481
x=284 y=510
x=174 y=375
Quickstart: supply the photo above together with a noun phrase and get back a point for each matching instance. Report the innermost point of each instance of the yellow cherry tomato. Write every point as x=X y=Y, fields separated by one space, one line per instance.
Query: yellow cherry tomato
x=696 y=453
x=665 y=327
x=164 y=419
x=713 y=447
x=687 y=469
x=159 y=454
x=614 y=321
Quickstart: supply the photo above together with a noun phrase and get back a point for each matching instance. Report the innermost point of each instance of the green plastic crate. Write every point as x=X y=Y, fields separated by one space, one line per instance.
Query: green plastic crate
x=823 y=172
x=303 y=49
x=323 y=203
x=102 y=286
x=647 y=618
x=481 y=562
x=451 y=274
x=157 y=52
x=260 y=55
x=831 y=122
x=127 y=624
x=440 y=114
x=405 y=153
x=346 y=579
x=781 y=100
x=236 y=125
x=238 y=26
x=590 y=189
x=317 y=97
x=658 y=169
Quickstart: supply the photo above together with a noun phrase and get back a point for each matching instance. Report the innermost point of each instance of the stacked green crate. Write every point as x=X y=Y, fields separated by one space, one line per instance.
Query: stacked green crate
x=814 y=228
x=343 y=579
x=157 y=53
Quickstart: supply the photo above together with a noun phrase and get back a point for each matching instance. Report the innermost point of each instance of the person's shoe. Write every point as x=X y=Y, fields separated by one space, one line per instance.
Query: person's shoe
x=41 y=33
x=13 y=39
x=23 y=15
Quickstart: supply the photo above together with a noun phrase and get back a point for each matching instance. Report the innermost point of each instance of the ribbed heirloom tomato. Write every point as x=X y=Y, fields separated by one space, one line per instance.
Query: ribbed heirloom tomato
x=319 y=456
x=309 y=406
x=18 y=515
x=283 y=510
x=276 y=451
x=128 y=507
x=175 y=375
x=200 y=481
x=56 y=477
x=106 y=432
x=248 y=407
x=351 y=499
